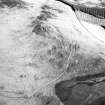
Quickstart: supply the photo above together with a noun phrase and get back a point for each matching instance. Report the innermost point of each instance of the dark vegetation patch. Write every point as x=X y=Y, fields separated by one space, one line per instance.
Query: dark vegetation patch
x=45 y=15
x=90 y=76
x=103 y=27
x=47 y=12
x=12 y=3
x=79 y=89
x=78 y=94
x=86 y=65
x=73 y=95
x=47 y=100
x=98 y=101
x=46 y=7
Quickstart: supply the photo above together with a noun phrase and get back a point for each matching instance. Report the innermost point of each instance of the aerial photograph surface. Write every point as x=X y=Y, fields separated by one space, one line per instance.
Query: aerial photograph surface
x=52 y=52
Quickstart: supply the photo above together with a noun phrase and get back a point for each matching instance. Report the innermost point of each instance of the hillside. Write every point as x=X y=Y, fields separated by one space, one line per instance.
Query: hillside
x=43 y=43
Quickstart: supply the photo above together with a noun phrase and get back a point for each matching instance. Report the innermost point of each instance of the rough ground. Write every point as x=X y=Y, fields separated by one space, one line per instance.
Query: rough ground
x=41 y=43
